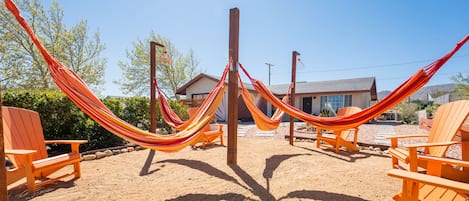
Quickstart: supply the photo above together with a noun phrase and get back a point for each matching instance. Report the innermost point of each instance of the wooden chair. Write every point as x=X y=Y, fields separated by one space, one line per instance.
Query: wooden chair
x=432 y=185
x=210 y=134
x=339 y=138
x=447 y=122
x=26 y=148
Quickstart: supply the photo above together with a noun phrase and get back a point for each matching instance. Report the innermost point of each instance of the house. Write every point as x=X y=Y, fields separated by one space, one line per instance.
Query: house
x=311 y=97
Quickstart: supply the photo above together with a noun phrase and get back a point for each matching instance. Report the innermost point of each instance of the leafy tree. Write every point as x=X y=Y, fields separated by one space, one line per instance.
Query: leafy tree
x=170 y=77
x=21 y=64
x=462 y=89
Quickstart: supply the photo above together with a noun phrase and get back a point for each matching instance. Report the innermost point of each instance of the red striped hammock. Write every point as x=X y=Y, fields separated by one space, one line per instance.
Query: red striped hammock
x=173 y=120
x=263 y=122
x=414 y=83
x=77 y=91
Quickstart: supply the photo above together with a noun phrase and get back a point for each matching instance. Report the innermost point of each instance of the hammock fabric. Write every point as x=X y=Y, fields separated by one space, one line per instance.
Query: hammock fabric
x=262 y=121
x=77 y=91
x=171 y=118
x=414 y=83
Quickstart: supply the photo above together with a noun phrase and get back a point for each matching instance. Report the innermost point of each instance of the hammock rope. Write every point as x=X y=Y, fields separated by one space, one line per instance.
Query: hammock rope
x=263 y=122
x=78 y=92
x=414 y=83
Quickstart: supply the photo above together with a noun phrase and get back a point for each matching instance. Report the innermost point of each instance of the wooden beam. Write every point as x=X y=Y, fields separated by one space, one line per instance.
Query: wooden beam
x=232 y=150
x=153 y=92
x=295 y=54
x=153 y=45
x=152 y=87
x=3 y=172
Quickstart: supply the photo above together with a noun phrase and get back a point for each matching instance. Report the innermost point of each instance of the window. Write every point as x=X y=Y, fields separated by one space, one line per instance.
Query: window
x=336 y=102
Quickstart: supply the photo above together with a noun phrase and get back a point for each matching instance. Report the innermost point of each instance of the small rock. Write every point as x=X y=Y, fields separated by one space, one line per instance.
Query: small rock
x=89 y=157
x=108 y=152
x=386 y=151
x=138 y=148
x=116 y=151
x=377 y=149
x=370 y=148
x=131 y=149
x=100 y=154
x=124 y=150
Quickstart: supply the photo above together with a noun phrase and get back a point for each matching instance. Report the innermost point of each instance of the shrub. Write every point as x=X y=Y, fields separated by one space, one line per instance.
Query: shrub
x=408 y=112
x=62 y=119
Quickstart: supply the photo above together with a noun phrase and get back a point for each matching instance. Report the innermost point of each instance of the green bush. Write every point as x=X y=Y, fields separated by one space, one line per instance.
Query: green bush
x=408 y=112
x=62 y=119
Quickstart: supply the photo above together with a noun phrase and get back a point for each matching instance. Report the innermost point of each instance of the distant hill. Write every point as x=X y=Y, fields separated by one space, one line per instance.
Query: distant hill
x=434 y=91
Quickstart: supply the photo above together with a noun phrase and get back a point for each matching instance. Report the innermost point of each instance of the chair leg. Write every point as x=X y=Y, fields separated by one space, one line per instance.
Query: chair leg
x=337 y=145
x=318 y=137
x=76 y=169
x=30 y=177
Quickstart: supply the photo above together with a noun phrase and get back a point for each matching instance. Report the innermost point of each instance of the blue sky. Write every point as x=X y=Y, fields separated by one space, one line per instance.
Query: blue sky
x=337 y=39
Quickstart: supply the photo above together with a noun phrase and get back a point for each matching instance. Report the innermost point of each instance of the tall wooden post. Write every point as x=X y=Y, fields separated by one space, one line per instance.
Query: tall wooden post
x=3 y=173
x=153 y=45
x=152 y=87
x=152 y=93
x=292 y=95
x=232 y=150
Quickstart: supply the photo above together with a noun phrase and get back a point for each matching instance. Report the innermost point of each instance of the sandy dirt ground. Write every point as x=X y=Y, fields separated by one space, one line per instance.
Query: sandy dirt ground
x=267 y=169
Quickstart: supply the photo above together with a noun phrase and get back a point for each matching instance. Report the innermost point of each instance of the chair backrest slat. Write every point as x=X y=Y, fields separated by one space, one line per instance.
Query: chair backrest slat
x=447 y=121
x=346 y=111
x=23 y=130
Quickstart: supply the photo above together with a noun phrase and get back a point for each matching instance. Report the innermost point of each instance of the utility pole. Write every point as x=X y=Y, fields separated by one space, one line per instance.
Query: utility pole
x=270 y=65
x=269 y=106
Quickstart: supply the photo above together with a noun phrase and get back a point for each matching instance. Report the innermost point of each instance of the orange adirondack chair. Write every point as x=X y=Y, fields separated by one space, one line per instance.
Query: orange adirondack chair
x=447 y=122
x=432 y=185
x=26 y=148
x=418 y=186
x=339 y=138
x=211 y=132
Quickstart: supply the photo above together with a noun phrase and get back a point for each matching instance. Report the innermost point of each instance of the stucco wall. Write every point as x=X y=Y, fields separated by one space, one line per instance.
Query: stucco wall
x=204 y=85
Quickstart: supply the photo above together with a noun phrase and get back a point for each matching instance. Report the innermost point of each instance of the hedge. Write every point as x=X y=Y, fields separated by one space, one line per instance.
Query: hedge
x=62 y=119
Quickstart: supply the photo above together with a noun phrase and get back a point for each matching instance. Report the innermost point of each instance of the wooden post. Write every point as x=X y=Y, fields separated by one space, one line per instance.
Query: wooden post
x=292 y=95
x=3 y=172
x=153 y=92
x=152 y=85
x=233 y=88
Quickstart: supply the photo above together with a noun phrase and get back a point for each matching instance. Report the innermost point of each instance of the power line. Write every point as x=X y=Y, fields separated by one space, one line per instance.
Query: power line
x=376 y=66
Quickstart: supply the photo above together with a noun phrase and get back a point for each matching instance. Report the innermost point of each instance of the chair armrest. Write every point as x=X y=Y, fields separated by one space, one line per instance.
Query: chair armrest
x=19 y=151
x=430 y=144
x=66 y=141
x=396 y=137
x=439 y=161
x=75 y=144
x=429 y=179
x=413 y=158
x=406 y=136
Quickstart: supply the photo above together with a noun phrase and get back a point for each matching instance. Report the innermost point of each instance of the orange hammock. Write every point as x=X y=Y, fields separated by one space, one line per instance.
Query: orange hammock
x=74 y=87
x=262 y=121
x=414 y=83
x=171 y=118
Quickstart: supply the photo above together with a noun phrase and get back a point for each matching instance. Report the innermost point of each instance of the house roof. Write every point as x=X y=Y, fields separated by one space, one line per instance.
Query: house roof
x=182 y=90
x=330 y=86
